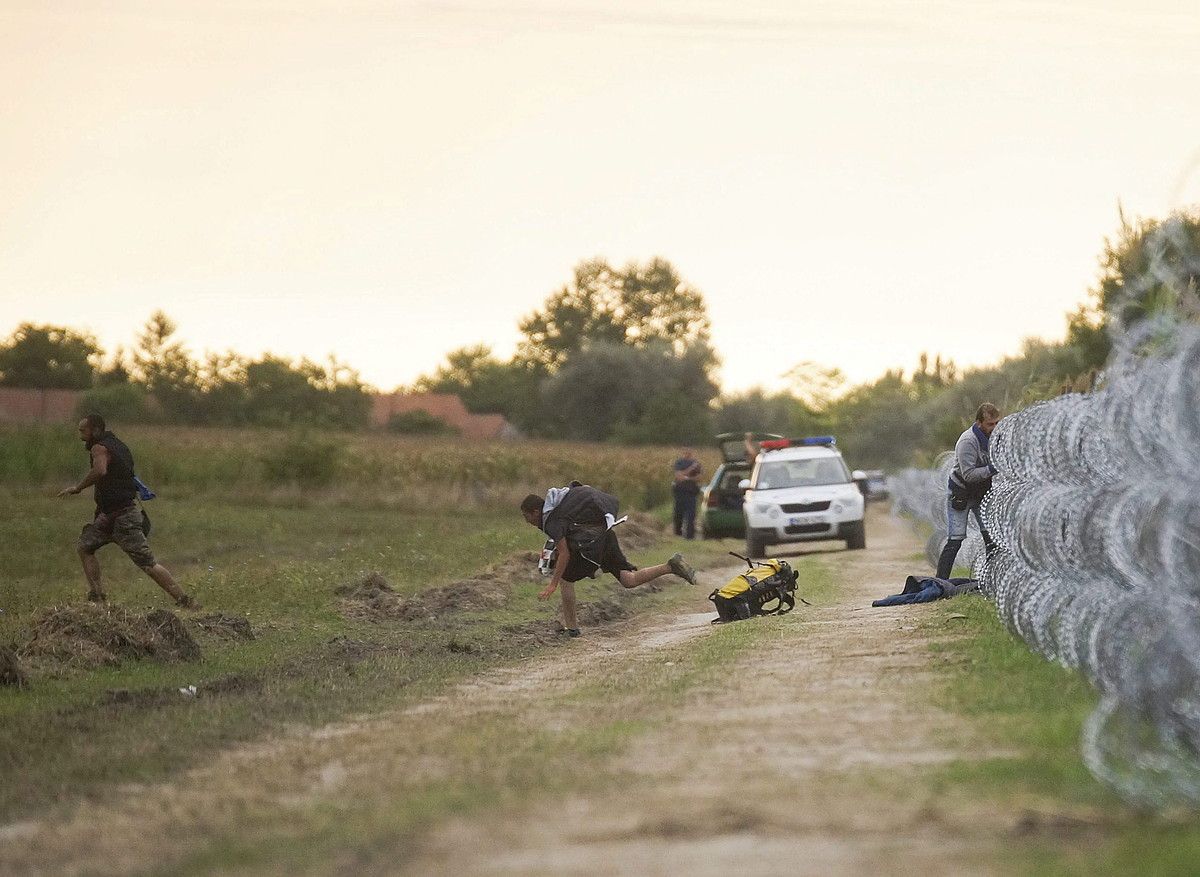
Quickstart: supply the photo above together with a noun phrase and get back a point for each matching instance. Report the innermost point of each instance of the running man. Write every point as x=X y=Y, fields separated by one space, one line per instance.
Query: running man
x=118 y=518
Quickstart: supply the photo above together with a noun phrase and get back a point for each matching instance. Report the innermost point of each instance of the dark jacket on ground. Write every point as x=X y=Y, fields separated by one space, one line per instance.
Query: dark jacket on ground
x=926 y=589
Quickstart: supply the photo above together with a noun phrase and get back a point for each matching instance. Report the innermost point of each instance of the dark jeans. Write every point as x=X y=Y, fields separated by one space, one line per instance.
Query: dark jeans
x=685 y=514
x=957 y=527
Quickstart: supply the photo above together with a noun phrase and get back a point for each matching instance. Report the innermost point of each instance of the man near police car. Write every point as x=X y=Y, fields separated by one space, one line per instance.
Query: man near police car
x=118 y=518
x=579 y=520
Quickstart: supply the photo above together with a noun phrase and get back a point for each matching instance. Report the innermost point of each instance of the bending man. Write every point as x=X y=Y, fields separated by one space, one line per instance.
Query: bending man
x=579 y=520
x=118 y=518
x=970 y=480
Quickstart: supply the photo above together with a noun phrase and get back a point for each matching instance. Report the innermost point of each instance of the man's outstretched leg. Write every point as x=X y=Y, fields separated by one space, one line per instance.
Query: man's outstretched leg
x=675 y=566
x=128 y=534
x=163 y=578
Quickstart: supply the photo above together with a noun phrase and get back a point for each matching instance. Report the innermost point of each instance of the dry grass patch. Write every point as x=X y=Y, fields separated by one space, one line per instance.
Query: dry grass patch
x=67 y=639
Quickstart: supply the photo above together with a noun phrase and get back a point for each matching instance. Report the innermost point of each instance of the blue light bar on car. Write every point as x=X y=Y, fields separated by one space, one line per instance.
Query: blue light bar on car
x=824 y=441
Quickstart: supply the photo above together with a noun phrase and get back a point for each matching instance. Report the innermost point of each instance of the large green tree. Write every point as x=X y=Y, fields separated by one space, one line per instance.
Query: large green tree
x=164 y=367
x=278 y=392
x=638 y=305
x=486 y=384
x=632 y=394
x=48 y=357
x=1149 y=267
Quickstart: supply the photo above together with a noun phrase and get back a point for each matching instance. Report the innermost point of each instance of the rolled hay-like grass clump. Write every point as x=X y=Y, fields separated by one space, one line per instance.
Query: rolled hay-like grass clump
x=79 y=638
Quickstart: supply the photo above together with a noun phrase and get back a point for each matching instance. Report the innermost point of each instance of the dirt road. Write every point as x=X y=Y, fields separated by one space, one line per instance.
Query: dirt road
x=804 y=757
x=808 y=764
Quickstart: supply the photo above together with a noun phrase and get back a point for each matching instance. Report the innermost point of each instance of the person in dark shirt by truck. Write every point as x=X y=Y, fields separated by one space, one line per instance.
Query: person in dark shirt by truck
x=686 y=490
x=118 y=518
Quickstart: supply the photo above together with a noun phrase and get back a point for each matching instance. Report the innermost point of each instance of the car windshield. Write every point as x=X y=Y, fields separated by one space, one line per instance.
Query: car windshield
x=811 y=472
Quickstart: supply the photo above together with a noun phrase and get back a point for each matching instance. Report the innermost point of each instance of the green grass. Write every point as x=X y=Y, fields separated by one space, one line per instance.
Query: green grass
x=278 y=566
x=349 y=469
x=1034 y=710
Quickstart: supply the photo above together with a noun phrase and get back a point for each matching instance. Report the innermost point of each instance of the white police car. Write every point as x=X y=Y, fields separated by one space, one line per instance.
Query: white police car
x=801 y=491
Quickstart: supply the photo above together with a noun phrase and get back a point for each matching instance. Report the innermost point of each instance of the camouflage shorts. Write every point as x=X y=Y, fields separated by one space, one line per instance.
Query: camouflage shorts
x=125 y=529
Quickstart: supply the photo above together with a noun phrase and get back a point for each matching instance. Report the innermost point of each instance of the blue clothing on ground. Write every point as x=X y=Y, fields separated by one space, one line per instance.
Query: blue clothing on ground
x=926 y=589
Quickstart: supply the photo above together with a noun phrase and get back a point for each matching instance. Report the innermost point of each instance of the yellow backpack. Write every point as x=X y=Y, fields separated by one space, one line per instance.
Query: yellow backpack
x=767 y=587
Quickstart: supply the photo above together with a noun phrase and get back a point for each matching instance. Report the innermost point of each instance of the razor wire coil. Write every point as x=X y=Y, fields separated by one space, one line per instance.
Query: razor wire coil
x=1095 y=512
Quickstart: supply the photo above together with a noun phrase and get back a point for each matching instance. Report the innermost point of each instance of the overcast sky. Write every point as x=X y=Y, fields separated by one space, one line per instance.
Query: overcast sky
x=850 y=183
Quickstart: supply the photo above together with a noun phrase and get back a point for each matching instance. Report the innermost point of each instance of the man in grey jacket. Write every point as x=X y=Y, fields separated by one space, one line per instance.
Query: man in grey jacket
x=970 y=480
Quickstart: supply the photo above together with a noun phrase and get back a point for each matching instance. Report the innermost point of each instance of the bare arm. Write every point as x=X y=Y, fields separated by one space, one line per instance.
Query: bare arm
x=689 y=474
x=560 y=569
x=751 y=449
x=99 y=470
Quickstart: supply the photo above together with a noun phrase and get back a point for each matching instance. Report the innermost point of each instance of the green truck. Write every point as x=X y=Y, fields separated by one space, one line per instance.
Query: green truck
x=722 y=499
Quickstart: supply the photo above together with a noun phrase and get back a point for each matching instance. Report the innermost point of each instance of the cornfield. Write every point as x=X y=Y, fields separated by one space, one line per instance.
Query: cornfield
x=400 y=470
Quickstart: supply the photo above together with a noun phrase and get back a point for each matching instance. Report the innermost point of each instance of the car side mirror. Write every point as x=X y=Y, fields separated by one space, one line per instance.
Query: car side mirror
x=744 y=484
x=858 y=475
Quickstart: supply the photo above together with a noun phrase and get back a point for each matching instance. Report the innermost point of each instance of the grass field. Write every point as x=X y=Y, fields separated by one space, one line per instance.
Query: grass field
x=355 y=469
x=1021 y=702
x=274 y=554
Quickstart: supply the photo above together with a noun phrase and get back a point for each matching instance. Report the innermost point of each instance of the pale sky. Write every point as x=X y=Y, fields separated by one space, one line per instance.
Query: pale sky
x=850 y=183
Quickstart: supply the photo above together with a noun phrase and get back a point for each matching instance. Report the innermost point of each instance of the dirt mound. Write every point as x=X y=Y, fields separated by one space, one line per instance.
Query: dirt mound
x=91 y=635
x=601 y=611
x=371 y=598
x=547 y=631
x=225 y=626
x=11 y=671
x=541 y=632
x=640 y=532
x=374 y=599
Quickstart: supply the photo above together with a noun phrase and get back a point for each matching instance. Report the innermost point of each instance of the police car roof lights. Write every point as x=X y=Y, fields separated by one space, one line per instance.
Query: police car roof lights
x=811 y=441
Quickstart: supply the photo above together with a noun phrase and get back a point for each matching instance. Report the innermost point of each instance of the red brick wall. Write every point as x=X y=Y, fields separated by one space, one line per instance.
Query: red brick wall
x=444 y=406
x=19 y=405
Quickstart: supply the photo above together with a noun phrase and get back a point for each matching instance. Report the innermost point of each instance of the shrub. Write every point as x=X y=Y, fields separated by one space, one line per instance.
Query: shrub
x=419 y=423
x=116 y=402
x=303 y=459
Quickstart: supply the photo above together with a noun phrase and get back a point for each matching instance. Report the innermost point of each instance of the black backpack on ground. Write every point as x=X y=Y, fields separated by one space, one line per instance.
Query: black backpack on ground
x=768 y=587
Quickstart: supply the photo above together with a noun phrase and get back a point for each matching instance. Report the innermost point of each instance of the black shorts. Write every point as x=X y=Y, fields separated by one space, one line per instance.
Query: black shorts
x=612 y=560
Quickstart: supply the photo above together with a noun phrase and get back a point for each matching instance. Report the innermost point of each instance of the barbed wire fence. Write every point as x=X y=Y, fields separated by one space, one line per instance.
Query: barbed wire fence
x=1096 y=514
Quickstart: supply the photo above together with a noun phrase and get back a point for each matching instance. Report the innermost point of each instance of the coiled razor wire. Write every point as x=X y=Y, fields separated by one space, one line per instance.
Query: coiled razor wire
x=1096 y=514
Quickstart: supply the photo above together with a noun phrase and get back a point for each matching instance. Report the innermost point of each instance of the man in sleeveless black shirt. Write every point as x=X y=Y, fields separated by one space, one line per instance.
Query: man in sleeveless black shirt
x=118 y=518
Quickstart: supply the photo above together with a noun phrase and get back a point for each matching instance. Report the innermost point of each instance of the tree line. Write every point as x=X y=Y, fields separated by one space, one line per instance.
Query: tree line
x=160 y=380
x=624 y=355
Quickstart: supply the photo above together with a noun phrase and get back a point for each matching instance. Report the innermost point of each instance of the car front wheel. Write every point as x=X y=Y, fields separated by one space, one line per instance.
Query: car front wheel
x=857 y=538
x=755 y=547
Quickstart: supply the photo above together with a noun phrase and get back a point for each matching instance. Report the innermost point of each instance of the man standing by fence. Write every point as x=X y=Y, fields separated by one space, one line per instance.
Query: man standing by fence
x=118 y=518
x=970 y=480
